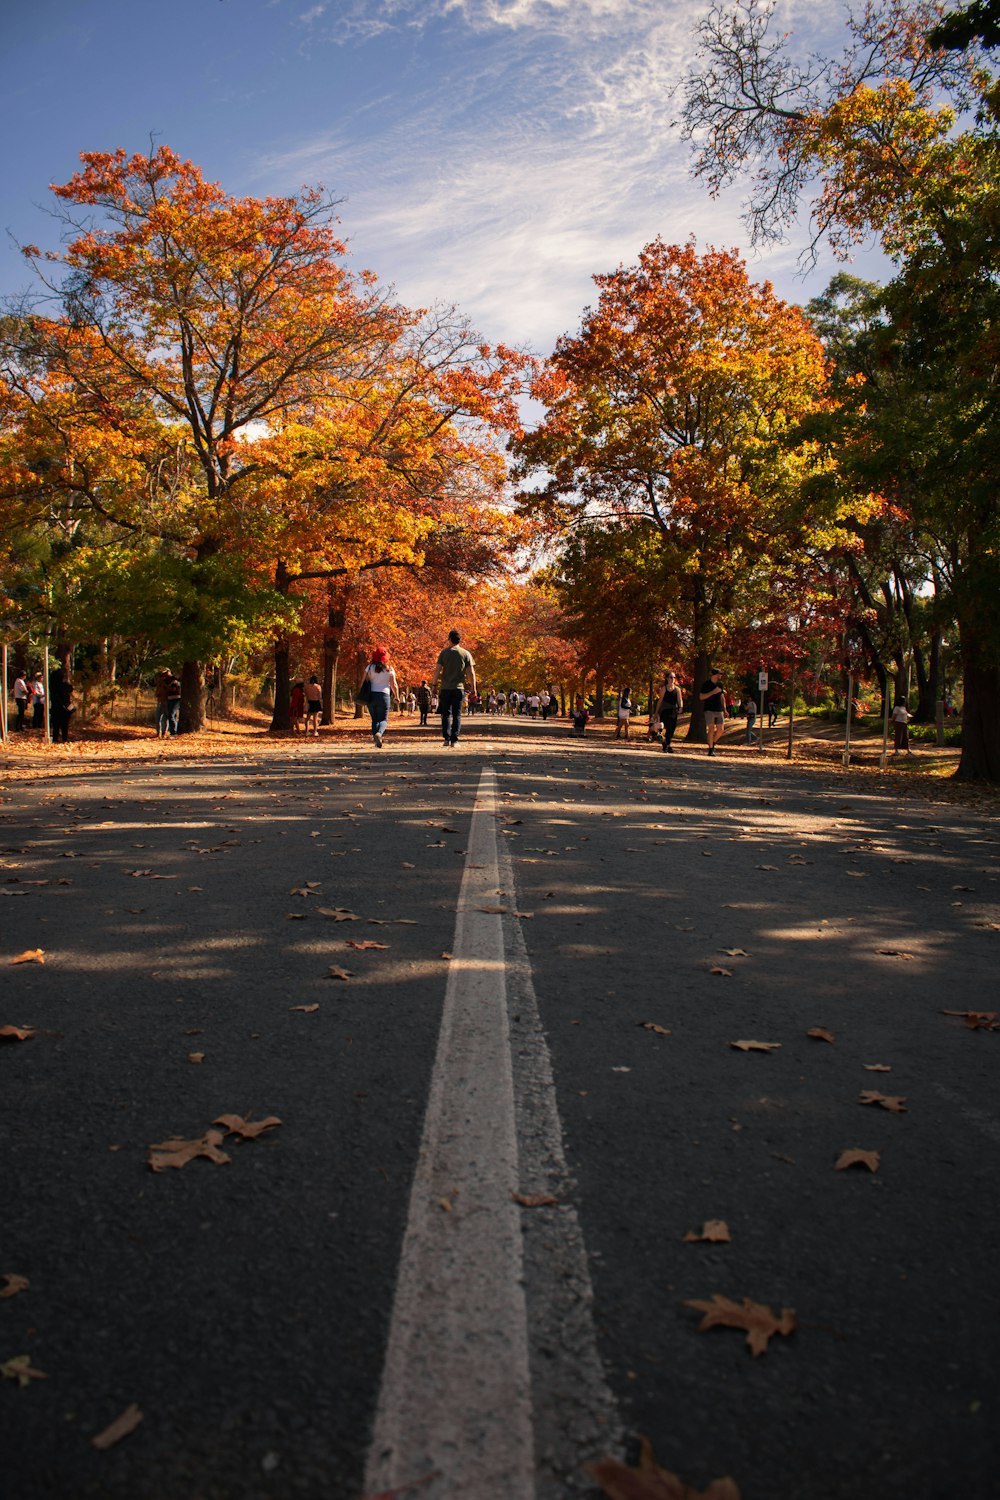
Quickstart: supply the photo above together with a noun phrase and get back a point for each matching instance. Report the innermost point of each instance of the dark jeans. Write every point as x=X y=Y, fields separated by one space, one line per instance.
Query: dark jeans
x=669 y=730
x=22 y=705
x=450 y=704
x=423 y=716
x=59 y=724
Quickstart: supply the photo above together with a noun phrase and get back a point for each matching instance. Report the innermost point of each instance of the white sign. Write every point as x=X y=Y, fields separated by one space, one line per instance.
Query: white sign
x=762 y=681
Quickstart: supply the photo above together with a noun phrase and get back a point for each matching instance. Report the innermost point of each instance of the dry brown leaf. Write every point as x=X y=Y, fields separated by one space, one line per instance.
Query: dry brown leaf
x=30 y=956
x=756 y=1320
x=17 y=1033
x=820 y=1034
x=335 y=972
x=534 y=1200
x=735 y=952
x=977 y=1020
x=338 y=913
x=305 y=890
x=177 y=1153
x=14 y=1284
x=247 y=1130
x=307 y=1010
x=755 y=1046
x=526 y=916
x=296 y=916
x=650 y=1482
x=858 y=1158
x=723 y=973
x=896 y=1104
x=365 y=944
x=196 y=1057
x=876 y=1067
x=118 y=1429
x=713 y=1232
x=652 y=1026
x=21 y=1369
x=895 y=953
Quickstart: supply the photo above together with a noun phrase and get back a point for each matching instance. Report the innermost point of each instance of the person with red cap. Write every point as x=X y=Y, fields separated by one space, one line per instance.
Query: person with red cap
x=377 y=686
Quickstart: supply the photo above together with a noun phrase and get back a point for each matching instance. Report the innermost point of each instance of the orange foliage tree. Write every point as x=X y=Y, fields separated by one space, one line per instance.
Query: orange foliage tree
x=673 y=420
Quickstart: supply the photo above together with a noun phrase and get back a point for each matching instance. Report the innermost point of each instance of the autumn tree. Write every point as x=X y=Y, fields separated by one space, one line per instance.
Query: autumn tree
x=673 y=414
x=900 y=138
x=214 y=316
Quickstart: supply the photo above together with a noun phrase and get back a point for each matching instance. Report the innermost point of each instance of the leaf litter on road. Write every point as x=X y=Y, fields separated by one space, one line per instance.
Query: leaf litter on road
x=21 y=1369
x=751 y=1046
x=121 y=1427
x=712 y=1232
x=29 y=956
x=13 y=1284
x=855 y=1157
x=755 y=1319
x=17 y=1033
x=894 y=1103
x=651 y=1482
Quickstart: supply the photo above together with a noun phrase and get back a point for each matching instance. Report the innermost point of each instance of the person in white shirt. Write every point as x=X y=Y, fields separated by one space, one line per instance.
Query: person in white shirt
x=22 y=697
x=382 y=685
x=900 y=719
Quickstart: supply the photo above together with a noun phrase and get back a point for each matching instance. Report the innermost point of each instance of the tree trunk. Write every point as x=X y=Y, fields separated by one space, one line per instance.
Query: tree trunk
x=980 y=759
x=281 y=718
x=192 y=715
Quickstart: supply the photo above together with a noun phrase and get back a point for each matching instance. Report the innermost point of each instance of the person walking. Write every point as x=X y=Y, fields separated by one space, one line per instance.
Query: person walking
x=423 y=700
x=314 y=702
x=382 y=685
x=750 y=711
x=712 y=694
x=37 y=701
x=22 y=697
x=624 y=712
x=668 y=709
x=172 y=692
x=901 y=734
x=297 y=706
x=454 y=665
x=61 y=705
x=773 y=707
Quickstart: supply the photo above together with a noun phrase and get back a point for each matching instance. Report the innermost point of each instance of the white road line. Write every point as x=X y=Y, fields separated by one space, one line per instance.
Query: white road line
x=455 y=1398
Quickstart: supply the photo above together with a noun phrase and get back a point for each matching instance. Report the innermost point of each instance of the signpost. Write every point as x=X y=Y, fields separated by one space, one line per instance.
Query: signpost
x=762 y=689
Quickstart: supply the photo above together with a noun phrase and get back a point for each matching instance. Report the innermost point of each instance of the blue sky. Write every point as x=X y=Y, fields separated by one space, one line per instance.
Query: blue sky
x=494 y=154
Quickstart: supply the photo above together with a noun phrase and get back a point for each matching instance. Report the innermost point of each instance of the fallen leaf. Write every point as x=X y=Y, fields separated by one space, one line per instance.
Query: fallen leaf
x=652 y=1026
x=307 y=1010
x=21 y=1369
x=650 y=1482
x=365 y=944
x=755 y=1046
x=767 y=867
x=497 y=910
x=757 y=1321
x=177 y=1153
x=534 y=1200
x=977 y=1020
x=30 y=956
x=896 y=1104
x=735 y=952
x=820 y=1034
x=17 y=1033
x=338 y=913
x=196 y=1057
x=14 y=1284
x=876 y=1067
x=335 y=972
x=723 y=973
x=296 y=916
x=118 y=1429
x=713 y=1232
x=247 y=1130
x=857 y=1158
x=895 y=953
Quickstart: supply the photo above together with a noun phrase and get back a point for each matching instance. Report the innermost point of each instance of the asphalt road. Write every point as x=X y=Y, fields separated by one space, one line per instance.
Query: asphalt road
x=247 y=1308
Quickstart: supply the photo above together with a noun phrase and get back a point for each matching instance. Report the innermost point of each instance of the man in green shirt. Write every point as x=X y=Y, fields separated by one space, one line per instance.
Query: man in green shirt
x=454 y=665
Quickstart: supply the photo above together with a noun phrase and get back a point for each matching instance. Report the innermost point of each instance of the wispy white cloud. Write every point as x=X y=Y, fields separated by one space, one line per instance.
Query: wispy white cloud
x=538 y=147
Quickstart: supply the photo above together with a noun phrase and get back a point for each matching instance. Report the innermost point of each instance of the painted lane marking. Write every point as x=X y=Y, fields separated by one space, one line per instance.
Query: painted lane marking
x=455 y=1399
